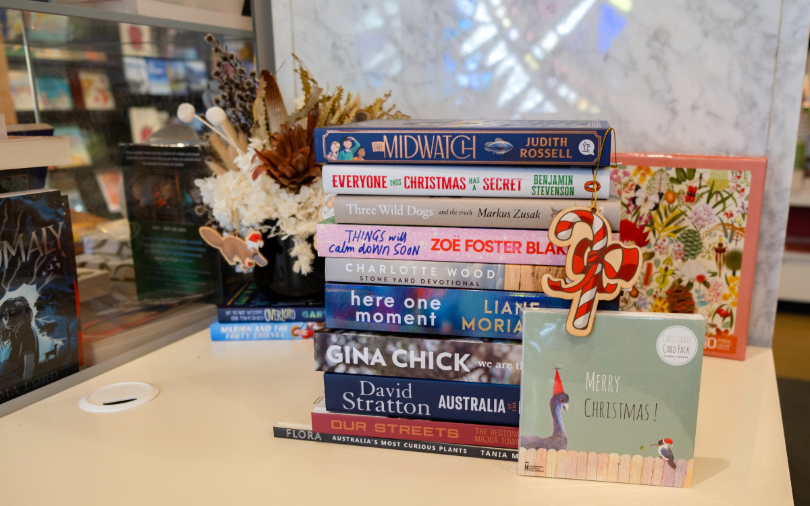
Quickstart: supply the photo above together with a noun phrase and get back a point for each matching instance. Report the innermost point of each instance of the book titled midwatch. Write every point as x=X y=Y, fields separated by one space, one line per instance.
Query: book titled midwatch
x=476 y=245
x=414 y=356
x=262 y=331
x=619 y=405
x=445 y=311
x=462 y=212
x=485 y=142
x=466 y=181
x=247 y=303
x=520 y=278
x=414 y=430
x=452 y=401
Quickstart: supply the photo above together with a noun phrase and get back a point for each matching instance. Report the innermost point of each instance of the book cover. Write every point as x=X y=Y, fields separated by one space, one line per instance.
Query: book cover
x=39 y=340
x=475 y=245
x=246 y=303
x=262 y=331
x=485 y=142
x=136 y=74
x=144 y=121
x=79 y=155
x=465 y=181
x=297 y=425
x=197 y=73
x=96 y=90
x=451 y=401
x=475 y=212
x=427 y=431
x=53 y=93
x=157 y=77
x=136 y=40
x=696 y=221
x=444 y=311
x=414 y=356
x=20 y=89
x=619 y=405
x=176 y=71
x=510 y=277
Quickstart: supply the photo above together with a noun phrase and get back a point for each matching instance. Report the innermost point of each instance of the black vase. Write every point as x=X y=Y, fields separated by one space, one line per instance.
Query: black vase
x=279 y=279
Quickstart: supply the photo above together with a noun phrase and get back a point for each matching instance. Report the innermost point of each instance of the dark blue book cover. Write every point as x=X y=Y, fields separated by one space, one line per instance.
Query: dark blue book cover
x=445 y=311
x=483 y=142
x=247 y=303
x=39 y=329
x=452 y=401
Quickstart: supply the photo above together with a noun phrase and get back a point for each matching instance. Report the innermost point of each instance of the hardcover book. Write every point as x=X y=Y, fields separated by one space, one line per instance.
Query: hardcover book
x=297 y=425
x=452 y=401
x=262 y=331
x=484 y=245
x=696 y=220
x=619 y=405
x=485 y=142
x=39 y=328
x=466 y=181
x=520 y=278
x=461 y=212
x=246 y=303
x=414 y=430
x=414 y=356
x=444 y=311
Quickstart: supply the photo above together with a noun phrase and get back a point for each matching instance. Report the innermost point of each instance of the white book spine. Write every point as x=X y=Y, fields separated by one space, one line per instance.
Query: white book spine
x=464 y=181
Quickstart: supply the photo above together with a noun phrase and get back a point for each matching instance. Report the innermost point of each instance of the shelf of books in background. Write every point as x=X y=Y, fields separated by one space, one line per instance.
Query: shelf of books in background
x=436 y=241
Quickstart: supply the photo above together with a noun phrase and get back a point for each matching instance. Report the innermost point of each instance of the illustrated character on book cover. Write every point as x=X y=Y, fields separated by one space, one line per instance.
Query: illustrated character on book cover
x=38 y=320
x=350 y=147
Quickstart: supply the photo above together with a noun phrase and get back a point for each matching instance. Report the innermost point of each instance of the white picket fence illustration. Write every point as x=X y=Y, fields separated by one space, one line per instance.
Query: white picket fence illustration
x=605 y=467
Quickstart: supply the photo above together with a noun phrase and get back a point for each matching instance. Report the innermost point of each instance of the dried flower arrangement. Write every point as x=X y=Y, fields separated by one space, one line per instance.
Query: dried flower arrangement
x=264 y=173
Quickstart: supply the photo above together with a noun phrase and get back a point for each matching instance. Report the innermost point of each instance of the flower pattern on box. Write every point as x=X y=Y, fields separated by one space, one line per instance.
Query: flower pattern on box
x=690 y=226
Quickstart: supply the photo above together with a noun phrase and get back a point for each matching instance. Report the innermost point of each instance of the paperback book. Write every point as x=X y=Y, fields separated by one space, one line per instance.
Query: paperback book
x=297 y=425
x=427 y=431
x=475 y=245
x=619 y=405
x=39 y=328
x=262 y=331
x=510 y=277
x=462 y=212
x=452 y=401
x=414 y=356
x=95 y=90
x=466 y=181
x=445 y=311
x=484 y=142
x=247 y=303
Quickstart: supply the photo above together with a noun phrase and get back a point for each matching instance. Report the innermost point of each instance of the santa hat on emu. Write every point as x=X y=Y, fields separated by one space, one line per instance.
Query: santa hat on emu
x=558 y=388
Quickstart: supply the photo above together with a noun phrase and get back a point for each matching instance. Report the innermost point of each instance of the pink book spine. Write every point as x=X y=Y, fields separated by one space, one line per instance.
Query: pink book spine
x=486 y=245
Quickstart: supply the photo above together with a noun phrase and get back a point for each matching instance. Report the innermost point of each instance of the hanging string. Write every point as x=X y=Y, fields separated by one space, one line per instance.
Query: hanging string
x=595 y=170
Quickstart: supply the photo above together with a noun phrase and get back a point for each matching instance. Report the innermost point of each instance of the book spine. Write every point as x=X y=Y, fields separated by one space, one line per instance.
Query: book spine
x=427 y=431
x=266 y=315
x=486 y=245
x=475 y=212
x=538 y=146
x=415 y=356
x=398 y=444
x=260 y=331
x=450 y=401
x=465 y=181
x=510 y=277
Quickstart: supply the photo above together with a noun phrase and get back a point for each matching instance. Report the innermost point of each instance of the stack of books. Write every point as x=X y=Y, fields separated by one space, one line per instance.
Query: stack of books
x=438 y=240
x=249 y=314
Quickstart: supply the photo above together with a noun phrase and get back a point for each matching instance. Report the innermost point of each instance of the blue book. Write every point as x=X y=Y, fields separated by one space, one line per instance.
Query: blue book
x=445 y=311
x=247 y=303
x=452 y=401
x=262 y=331
x=484 y=142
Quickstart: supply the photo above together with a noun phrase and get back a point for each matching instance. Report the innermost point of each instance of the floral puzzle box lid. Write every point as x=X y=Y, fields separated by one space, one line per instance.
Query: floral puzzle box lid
x=619 y=405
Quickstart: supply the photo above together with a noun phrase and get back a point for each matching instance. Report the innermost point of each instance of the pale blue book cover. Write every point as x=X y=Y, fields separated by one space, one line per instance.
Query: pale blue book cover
x=619 y=405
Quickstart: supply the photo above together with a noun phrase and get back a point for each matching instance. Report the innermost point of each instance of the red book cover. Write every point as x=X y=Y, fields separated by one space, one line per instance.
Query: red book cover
x=414 y=430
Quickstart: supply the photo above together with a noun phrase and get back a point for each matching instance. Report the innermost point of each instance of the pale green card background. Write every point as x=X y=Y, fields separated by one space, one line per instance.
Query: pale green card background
x=618 y=345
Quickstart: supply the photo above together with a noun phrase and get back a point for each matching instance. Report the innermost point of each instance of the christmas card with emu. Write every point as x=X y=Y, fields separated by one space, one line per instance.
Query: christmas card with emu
x=619 y=405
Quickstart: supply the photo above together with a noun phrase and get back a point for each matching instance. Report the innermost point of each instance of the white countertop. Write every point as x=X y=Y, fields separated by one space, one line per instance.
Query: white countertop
x=207 y=439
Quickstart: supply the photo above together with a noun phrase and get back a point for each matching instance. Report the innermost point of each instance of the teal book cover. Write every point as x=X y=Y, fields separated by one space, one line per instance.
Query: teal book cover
x=619 y=405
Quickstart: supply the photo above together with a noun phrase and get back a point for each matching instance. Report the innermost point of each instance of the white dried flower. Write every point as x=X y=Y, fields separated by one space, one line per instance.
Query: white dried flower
x=216 y=115
x=186 y=112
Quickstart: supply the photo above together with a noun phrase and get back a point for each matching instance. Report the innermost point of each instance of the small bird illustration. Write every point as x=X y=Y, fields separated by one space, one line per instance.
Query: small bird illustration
x=236 y=251
x=498 y=146
x=665 y=451
x=558 y=440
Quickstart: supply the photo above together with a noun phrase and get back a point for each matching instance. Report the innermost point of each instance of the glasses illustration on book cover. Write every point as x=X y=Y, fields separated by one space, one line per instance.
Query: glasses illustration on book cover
x=38 y=323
